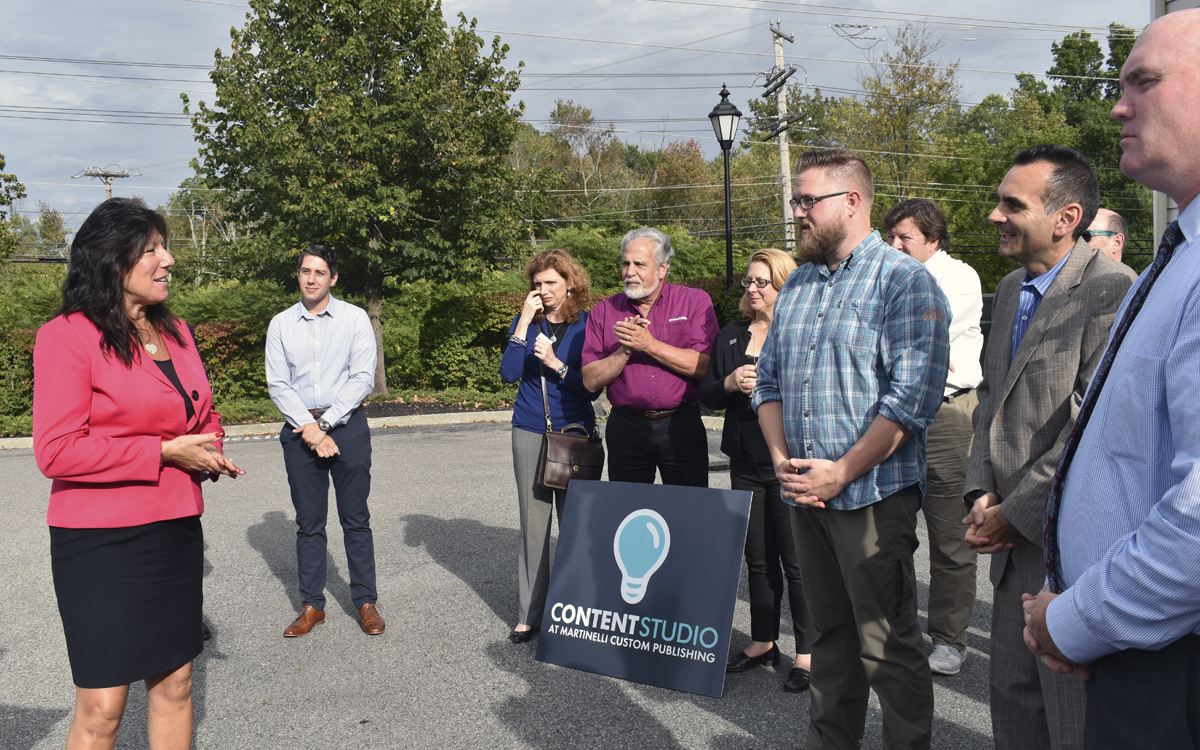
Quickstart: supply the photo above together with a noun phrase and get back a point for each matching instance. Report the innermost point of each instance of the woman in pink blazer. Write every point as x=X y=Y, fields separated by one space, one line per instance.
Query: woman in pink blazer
x=124 y=425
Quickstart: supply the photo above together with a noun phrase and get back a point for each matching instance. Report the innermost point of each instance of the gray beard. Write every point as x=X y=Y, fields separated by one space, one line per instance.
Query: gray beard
x=636 y=295
x=820 y=243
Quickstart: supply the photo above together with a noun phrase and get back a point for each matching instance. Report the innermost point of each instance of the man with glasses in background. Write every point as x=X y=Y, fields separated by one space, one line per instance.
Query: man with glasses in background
x=850 y=377
x=1107 y=234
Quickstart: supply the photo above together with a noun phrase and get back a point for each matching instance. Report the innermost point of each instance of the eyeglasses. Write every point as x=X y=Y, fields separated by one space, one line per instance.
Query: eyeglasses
x=807 y=202
x=760 y=283
x=1102 y=233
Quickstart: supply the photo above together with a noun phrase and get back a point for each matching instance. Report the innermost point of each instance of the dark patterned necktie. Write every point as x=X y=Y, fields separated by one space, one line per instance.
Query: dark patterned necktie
x=1170 y=240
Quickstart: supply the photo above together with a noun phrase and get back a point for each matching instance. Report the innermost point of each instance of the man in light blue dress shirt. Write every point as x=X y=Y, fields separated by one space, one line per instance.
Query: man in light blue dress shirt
x=320 y=369
x=1128 y=524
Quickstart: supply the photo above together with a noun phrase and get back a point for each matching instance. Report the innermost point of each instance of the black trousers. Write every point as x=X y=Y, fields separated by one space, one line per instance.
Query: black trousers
x=771 y=556
x=677 y=446
x=308 y=477
x=1145 y=699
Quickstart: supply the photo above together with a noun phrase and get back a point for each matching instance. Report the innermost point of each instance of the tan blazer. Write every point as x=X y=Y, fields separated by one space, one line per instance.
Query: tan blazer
x=1027 y=406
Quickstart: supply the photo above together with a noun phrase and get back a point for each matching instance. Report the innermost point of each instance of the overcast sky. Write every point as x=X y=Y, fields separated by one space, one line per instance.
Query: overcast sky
x=64 y=118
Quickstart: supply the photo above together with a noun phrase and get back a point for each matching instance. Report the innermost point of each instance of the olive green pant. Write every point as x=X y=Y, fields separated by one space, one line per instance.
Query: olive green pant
x=951 y=561
x=862 y=593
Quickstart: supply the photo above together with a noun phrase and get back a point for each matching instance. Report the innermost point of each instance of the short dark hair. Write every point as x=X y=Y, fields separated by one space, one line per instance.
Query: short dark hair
x=1072 y=181
x=107 y=246
x=926 y=215
x=1116 y=223
x=324 y=252
x=843 y=166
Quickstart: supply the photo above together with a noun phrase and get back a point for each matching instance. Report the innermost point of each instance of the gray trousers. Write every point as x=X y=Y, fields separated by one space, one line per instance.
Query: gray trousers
x=535 y=505
x=1033 y=708
x=861 y=589
x=951 y=561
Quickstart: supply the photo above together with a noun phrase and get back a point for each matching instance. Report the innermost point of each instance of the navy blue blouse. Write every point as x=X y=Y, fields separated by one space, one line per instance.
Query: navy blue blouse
x=569 y=400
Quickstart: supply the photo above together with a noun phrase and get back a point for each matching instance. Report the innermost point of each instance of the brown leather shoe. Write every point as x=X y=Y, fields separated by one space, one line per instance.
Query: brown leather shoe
x=368 y=616
x=309 y=618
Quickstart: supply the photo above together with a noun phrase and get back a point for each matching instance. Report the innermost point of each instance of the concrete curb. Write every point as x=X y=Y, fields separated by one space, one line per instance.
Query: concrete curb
x=415 y=420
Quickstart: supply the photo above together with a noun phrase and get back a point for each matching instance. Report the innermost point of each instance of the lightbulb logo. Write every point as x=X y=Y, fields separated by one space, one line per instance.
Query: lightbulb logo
x=641 y=545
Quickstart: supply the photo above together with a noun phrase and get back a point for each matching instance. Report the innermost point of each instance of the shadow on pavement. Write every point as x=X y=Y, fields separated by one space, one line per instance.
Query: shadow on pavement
x=275 y=540
x=469 y=550
x=23 y=727
x=568 y=708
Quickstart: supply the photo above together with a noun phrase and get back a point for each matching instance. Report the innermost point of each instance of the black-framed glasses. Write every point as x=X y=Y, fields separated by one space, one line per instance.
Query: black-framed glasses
x=808 y=201
x=760 y=283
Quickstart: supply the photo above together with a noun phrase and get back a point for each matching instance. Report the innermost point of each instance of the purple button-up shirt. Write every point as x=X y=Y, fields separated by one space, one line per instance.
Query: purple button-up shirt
x=681 y=317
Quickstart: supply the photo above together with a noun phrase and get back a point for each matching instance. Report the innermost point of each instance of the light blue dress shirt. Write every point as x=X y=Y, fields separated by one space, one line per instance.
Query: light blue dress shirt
x=324 y=361
x=1032 y=291
x=1129 y=523
x=870 y=339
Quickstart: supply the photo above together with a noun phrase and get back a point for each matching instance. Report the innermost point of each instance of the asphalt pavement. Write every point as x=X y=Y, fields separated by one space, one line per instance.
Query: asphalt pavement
x=444 y=674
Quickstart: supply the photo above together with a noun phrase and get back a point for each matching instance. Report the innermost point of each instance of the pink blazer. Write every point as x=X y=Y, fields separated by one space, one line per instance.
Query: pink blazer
x=98 y=428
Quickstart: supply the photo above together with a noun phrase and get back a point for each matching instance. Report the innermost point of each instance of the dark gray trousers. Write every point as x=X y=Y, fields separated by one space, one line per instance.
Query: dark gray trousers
x=536 y=508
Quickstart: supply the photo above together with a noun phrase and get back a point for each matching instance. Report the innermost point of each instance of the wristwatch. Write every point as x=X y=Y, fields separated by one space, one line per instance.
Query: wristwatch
x=324 y=426
x=562 y=371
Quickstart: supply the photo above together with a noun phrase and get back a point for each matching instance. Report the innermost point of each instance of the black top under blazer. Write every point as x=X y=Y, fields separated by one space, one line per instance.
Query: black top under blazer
x=741 y=438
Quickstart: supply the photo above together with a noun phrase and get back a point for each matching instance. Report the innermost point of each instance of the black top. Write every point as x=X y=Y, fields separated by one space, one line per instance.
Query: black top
x=168 y=369
x=742 y=438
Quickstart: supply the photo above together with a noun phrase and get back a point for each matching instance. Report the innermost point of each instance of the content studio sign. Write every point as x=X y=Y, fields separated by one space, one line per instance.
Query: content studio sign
x=645 y=582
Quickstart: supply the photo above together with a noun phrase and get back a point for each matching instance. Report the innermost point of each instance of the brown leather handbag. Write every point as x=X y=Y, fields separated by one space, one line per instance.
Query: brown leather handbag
x=571 y=453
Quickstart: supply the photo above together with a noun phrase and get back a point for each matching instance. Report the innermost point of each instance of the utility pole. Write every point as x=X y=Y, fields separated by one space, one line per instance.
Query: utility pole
x=107 y=175
x=775 y=83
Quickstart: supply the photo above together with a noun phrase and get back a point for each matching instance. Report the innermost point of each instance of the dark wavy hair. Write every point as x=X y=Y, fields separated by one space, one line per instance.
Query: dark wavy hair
x=104 y=250
x=926 y=215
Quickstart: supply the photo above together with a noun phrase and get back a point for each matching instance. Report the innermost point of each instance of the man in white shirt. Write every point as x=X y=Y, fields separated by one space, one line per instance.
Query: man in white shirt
x=320 y=370
x=918 y=228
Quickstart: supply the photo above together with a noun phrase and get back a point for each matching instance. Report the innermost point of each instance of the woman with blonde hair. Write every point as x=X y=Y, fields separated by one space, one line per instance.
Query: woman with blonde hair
x=728 y=385
x=545 y=339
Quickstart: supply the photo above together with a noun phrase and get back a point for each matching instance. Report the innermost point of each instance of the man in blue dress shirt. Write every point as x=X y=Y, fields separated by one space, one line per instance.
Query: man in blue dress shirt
x=320 y=369
x=850 y=376
x=1050 y=320
x=1126 y=555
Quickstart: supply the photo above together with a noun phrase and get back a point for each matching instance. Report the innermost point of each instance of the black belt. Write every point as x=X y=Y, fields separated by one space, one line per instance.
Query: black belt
x=318 y=413
x=956 y=394
x=659 y=413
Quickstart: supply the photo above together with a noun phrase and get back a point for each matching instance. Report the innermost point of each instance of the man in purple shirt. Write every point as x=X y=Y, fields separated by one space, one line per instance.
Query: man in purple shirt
x=649 y=346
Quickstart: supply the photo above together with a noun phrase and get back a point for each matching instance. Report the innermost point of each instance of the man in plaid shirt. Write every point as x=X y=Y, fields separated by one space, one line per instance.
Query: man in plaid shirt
x=851 y=375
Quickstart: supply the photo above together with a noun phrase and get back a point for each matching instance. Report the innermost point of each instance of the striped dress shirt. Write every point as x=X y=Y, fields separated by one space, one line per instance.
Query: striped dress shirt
x=871 y=338
x=1032 y=291
x=1129 y=521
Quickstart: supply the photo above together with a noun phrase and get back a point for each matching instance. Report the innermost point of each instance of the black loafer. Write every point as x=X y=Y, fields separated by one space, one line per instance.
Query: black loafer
x=740 y=662
x=797 y=681
x=522 y=636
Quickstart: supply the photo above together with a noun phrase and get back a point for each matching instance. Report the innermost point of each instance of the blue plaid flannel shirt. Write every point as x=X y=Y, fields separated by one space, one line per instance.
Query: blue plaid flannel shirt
x=871 y=338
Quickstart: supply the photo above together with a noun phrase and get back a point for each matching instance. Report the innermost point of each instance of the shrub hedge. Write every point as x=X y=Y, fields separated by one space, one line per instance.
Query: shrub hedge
x=453 y=340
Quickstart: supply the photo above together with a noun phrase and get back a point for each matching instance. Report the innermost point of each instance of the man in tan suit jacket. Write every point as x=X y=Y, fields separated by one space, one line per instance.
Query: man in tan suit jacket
x=1051 y=320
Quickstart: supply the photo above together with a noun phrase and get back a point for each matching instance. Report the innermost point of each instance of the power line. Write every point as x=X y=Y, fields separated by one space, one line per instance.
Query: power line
x=901 y=16
x=793 y=57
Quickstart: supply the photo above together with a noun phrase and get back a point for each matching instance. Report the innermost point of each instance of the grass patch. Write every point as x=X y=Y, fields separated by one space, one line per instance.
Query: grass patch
x=243 y=410
x=15 y=426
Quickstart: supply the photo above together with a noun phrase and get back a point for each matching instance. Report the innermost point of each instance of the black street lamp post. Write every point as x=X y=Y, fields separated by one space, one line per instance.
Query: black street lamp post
x=725 y=118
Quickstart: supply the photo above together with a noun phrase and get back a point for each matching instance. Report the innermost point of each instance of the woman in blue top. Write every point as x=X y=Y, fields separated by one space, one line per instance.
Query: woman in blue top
x=553 y=308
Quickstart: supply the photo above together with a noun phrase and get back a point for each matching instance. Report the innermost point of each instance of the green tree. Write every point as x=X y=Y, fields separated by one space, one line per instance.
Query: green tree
x=10 y=191
x=369 y=125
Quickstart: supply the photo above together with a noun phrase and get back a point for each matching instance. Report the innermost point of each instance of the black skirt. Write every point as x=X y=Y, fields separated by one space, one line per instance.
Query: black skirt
x=129 y=598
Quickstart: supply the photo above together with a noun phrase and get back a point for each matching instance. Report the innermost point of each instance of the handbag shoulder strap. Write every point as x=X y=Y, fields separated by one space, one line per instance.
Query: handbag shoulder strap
x=545 y=398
